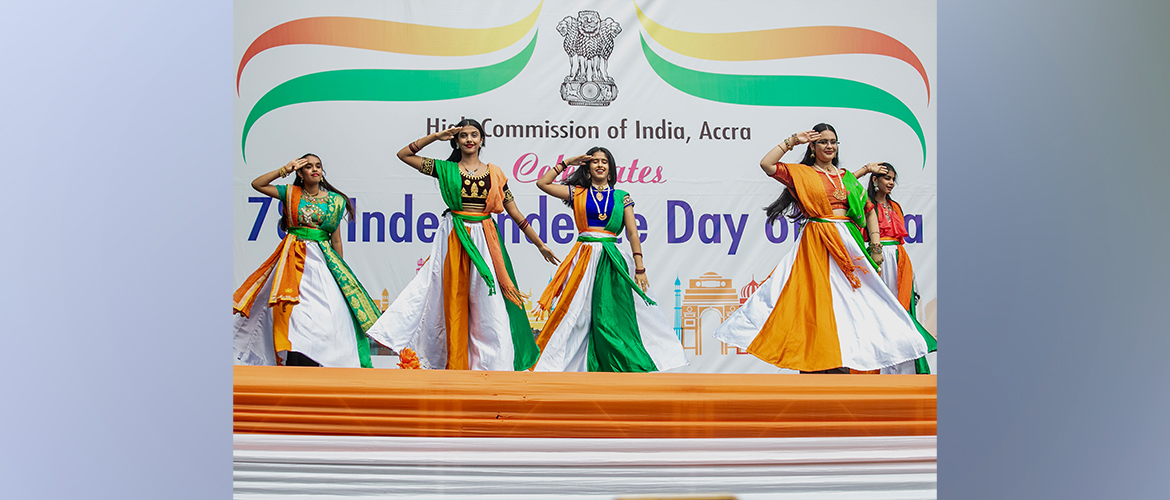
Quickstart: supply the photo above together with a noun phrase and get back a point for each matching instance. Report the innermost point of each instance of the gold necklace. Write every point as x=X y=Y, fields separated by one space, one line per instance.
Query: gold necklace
x=600 y=201
x=838 y=192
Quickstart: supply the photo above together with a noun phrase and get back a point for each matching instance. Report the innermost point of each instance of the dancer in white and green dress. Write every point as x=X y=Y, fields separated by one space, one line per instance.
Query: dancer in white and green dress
x=601 y=316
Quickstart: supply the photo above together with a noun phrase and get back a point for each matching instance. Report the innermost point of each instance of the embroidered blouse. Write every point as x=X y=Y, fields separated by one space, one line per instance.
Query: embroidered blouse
x=475 y=188
x=322 y=212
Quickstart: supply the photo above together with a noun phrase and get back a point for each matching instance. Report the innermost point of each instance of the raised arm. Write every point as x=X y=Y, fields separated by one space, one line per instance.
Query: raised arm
x=518 y=218
x=545 y=182
x=409 y=154
x=635 y=247
x=768 y=162
x=263 y=183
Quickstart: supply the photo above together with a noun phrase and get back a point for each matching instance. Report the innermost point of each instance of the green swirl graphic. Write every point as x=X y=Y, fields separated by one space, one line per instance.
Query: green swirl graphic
x=387 y=85
x=784 y=90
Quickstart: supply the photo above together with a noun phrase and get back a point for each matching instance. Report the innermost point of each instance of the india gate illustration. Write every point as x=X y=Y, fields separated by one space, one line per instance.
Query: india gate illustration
x=711 y=297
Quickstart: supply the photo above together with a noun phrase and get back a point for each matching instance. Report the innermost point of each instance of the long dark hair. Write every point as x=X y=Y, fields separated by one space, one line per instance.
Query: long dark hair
x=787 y=204
x=871 y=189
x=581 y=177
x=300 y=182
x=456 y=154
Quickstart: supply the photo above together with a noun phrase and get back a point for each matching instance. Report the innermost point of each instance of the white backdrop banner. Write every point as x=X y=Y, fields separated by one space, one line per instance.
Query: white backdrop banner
x=688 y=95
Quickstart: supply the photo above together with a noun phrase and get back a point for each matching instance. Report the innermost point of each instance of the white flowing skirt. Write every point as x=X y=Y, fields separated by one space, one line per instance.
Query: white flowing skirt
x=568 y=346
x=890 y=278
x=417 y=318
x=320 y=326
x=873 y=329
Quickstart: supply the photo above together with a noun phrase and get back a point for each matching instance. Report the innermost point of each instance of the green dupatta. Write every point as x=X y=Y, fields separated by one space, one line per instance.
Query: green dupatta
x=450 y=184
x=615 y=342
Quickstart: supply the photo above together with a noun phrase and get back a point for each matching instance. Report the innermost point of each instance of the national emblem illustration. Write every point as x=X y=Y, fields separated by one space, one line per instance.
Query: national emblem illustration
x=588 y=42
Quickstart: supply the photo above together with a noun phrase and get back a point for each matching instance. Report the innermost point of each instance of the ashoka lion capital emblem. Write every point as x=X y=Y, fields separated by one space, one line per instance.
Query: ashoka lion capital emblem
x=588 y=42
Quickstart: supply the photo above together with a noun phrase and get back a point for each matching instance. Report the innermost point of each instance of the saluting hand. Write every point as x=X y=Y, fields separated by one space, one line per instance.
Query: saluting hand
x=579 y=160
x=807 y=136
x=295 y=165
x=448 y=134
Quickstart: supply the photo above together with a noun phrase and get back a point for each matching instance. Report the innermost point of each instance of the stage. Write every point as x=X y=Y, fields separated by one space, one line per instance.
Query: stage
x=332 y=433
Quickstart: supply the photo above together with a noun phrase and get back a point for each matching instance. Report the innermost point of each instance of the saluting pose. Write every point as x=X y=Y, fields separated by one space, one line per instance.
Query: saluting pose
x=824 y=308
x=603 y=319
x=897 y=272
x=463 y=310
x=304 y=306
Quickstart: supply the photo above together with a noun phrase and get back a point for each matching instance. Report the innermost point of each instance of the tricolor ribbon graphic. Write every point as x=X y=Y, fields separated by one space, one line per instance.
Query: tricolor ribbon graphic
x=782 y=90
x=388 y=84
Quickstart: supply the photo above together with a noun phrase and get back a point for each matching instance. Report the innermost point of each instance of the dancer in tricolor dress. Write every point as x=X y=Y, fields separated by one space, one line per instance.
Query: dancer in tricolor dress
x=304 y=306
x=602 y=318
x=897 y=272
x=824 y=307
x=462 y=310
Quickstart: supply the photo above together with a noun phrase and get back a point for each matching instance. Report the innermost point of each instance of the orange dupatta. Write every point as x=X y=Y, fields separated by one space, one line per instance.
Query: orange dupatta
x=801 y=331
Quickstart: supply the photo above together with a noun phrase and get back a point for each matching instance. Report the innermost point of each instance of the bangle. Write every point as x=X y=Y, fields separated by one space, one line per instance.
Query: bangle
x=559 y=170
x=414 y=149
x=283 y=173
x=640 y=271
x=523 y=224
x=637 y=254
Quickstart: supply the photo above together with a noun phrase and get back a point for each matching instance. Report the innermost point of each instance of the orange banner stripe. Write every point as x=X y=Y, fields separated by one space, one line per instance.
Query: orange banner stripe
x=434 y=403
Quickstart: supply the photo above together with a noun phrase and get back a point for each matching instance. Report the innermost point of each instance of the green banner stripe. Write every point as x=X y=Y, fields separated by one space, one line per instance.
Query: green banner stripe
x=783 y=90
x=387 y=85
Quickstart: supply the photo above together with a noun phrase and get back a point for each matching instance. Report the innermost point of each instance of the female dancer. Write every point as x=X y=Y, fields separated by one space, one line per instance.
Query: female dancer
x=604 y=321
x=897 y=272
x=461 y=312
x=311 y=309
x=824 y=307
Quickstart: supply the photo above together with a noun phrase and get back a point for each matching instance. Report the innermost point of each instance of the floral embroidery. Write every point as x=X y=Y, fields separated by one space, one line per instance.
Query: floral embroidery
x=322 y=213
x=428 y=167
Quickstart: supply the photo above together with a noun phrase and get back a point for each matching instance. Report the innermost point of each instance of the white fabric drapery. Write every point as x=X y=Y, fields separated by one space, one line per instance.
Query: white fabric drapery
x=330 y=467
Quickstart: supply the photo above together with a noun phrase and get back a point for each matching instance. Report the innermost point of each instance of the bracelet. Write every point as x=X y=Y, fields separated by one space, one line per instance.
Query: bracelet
x=414 y=149
x=637 y=254
x=283 y=173
x=640 y=271
x=875 y=248
x=523 y=224
x=559 y=170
